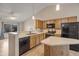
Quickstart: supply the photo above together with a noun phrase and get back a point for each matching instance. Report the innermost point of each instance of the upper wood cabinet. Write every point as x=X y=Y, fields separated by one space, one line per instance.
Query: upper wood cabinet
x=58 y=23
x=64 y=20
x=50 y=21
x=44 y=25
x=72 y=19
x=69 y=19
x=38 y=24
x=47 y=22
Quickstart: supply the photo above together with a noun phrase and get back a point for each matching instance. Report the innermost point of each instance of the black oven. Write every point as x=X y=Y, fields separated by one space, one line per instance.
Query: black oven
x=50 y=25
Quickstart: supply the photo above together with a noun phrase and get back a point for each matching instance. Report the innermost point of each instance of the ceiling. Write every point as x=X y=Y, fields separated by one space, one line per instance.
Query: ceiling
x=22 y=11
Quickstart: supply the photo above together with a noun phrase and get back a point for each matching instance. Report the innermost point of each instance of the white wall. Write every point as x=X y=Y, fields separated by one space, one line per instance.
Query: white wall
x=66 y=10
x=29 y=24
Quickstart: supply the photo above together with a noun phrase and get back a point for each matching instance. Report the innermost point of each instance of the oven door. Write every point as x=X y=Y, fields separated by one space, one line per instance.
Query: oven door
x=50 y=25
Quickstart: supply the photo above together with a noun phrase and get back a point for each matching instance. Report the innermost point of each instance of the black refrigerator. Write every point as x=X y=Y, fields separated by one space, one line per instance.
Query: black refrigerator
x=71 y=30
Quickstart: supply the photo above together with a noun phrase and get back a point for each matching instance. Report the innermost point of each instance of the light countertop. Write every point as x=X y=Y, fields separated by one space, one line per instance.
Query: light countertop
x=25 y=35
x=53 y=41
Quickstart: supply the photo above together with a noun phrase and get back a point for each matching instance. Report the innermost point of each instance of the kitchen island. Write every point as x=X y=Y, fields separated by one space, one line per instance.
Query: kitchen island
x=57 y=46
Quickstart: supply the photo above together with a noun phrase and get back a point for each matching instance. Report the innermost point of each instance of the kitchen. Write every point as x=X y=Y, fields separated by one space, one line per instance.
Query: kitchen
x=30 y=33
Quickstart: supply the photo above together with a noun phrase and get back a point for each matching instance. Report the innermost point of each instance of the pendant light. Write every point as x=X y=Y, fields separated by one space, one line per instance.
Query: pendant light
x=33 y=10
x=57 y=7
x=12 y=17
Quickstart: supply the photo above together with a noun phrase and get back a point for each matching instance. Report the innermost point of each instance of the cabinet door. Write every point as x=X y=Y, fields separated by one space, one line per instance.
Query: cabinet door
x=37 y=39
x=32 y=41
x=42 y=37
x=72 y=19
x=44 y=25
x=69 y=19
x=64 y=20
x=58 y=23
x=39 y=24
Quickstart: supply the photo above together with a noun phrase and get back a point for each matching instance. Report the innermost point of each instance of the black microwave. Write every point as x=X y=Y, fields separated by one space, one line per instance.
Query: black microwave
x=50 y=25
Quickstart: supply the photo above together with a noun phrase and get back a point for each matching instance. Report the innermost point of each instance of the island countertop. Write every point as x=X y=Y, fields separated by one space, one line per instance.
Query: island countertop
x=53 y=41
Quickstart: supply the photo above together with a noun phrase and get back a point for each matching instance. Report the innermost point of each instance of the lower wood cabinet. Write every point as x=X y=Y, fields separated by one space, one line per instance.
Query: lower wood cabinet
x=60 y=50
x=36 y=39
x=32 y=41
x=41 y=37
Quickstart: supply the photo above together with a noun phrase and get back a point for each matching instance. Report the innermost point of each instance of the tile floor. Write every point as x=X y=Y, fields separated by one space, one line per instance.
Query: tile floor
x=4 y=47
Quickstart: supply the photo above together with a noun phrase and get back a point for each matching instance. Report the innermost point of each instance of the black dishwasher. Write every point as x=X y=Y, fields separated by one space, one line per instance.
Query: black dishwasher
x=24 y=45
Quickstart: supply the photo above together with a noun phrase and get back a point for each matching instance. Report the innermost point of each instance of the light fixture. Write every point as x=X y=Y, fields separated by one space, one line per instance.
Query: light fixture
x=33 y=16
x=57 y=7
x=12 y=17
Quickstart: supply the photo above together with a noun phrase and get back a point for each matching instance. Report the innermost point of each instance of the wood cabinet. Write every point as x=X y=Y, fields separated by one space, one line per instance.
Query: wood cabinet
x=38 y=24
x=47 y=22
x=44 y=25
x=69 y=19
x=58 y=23
x=41 y=37
x=32 y=41
x=64 y=20
x=36 y=39
x=56 y=50
x=72 y=19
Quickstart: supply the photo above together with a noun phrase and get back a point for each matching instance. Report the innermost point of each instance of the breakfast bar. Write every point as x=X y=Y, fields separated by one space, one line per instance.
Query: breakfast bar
x=58 y=46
